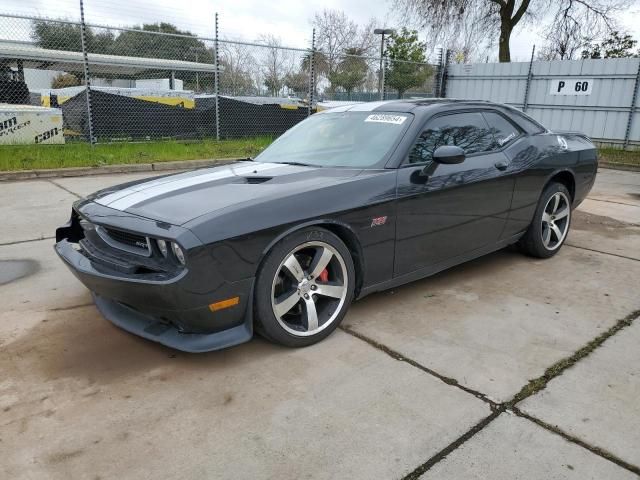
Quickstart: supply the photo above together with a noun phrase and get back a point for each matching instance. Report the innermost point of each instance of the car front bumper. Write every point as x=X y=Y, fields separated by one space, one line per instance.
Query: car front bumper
x=166 y=311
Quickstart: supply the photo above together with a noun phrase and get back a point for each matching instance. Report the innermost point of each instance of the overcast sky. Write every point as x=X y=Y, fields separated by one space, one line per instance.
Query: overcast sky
x=246 y=19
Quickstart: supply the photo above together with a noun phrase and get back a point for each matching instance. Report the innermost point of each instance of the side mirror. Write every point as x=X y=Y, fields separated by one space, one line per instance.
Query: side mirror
x=448 y=154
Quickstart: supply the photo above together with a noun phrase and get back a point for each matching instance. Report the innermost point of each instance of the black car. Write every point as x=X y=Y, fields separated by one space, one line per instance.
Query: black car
x=351 y=201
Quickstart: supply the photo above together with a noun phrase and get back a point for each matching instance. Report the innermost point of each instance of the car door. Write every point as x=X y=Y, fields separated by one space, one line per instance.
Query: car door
x=445 y=211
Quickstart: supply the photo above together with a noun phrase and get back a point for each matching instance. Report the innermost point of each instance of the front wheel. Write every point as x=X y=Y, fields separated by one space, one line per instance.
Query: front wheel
x=550 y=225
x=304 y=288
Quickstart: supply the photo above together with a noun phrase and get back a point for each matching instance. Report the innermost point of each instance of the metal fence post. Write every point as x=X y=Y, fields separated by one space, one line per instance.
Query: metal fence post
x=216 y=83
x=383 y=90
x=312 y=73
x=87 y=81
x=634 y=100
x=525 y=103
x=443 y=78
x=437 y=84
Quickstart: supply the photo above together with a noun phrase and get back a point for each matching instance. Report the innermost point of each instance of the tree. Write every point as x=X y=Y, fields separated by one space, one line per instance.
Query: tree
x=237 y=64
x=178 y=45
x=276 y=63
x=563 y=44
x=138 y=42
x=617 y=45
x=298 y=82
x=351 y=72
x=407 y=67
x=335 y=34
x=54 y=35
x=498 y=18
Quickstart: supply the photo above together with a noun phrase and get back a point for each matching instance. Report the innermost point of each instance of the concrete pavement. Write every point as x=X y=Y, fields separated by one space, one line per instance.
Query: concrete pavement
x=506 y=367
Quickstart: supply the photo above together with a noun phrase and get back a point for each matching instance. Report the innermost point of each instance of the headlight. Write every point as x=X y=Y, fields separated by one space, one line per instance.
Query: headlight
x=177 y=251
x=162 y=246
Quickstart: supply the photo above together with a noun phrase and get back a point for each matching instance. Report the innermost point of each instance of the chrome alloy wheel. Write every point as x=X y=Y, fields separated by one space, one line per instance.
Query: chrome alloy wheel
x=555 y=220
x=309 y=288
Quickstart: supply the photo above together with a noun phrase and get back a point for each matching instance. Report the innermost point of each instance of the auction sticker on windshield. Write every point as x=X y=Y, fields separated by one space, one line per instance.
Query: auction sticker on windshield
x=382 y=118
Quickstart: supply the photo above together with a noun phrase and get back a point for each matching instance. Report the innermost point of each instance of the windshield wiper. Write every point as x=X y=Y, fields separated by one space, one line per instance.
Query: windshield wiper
x=299 y=164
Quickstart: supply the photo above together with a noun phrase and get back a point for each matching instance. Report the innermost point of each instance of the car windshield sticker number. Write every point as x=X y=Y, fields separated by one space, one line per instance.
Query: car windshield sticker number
x=379 y=118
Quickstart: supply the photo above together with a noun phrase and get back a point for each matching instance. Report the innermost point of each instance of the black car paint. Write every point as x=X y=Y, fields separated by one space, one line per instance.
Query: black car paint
x=434 y=219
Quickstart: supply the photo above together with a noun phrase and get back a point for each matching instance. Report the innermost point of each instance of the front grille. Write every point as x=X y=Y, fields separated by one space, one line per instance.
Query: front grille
x=129 y=242
x=131 y=239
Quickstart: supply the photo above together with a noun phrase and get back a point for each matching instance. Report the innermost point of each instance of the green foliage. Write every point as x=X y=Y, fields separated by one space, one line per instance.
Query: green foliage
x=298 y=82
x=407 y=60
x=26 y=157
x=141 y=44
x=58 y=36
x=617 y=45
x=62 y=36
x=351 y=71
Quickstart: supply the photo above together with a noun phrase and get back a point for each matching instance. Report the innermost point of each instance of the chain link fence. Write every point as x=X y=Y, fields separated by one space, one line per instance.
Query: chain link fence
x=64 y=81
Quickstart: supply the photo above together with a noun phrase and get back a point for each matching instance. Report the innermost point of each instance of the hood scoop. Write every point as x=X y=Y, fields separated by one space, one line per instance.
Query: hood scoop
x=253 y=180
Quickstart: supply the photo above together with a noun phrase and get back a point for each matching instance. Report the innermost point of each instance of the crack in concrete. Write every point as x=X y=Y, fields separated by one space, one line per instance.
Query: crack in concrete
x=601 y=452
x=603 y=253
x=537 y=384
x=534 y=386
x=442 y=454
x=398 y=356
x=53 y=182
x=17 y=242
x=612 y=201
x=73 y=307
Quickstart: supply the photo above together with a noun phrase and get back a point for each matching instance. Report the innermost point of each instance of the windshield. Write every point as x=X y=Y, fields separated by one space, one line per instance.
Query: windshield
x=344 y=139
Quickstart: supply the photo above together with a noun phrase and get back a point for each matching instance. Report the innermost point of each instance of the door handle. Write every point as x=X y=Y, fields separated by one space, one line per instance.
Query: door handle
x=501 y=164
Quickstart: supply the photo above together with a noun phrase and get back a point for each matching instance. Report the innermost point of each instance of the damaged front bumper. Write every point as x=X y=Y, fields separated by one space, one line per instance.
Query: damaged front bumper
x=173 y=307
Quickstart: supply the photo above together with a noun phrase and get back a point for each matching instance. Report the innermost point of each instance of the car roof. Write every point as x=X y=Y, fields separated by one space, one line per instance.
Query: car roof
x=410 y=105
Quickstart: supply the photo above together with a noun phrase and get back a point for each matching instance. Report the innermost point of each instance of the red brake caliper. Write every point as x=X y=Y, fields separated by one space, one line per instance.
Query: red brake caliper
x=324 y=276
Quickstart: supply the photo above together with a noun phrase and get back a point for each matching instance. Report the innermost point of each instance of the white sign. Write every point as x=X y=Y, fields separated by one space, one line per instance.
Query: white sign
x=571 y=86
x=385 y=118
x=20 y=125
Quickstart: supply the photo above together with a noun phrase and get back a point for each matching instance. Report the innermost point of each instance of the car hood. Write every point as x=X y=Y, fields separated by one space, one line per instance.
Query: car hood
x=180 y=198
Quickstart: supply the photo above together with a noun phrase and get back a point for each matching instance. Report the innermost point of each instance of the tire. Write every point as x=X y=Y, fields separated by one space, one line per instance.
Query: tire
x=550 y=226
x=309 y=271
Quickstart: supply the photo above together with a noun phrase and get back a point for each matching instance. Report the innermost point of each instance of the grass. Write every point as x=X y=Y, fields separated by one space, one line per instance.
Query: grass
x=616 y=156
x=28 y=157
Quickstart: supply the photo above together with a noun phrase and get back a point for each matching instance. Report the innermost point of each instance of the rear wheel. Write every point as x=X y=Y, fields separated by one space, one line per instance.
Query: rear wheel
x=551 y=222
x=304 y=288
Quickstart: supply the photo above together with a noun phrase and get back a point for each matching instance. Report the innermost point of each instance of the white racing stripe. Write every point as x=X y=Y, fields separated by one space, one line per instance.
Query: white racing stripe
x=369 y=106
x=358 y=107
x=123 y=199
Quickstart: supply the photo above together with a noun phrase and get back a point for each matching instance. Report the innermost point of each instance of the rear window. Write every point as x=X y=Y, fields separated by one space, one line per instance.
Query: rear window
x=526 y=122
x=503 y=130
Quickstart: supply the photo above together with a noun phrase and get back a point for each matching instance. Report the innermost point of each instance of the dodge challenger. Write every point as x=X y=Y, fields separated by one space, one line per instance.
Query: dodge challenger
x=351 y=201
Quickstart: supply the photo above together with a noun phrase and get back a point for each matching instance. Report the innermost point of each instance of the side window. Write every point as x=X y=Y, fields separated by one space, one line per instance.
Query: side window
x=468 y=131
x=502 y=129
